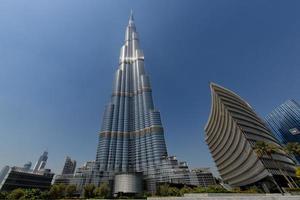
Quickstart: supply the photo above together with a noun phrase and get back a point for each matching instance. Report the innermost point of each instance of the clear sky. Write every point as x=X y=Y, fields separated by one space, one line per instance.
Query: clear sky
x=58 y=57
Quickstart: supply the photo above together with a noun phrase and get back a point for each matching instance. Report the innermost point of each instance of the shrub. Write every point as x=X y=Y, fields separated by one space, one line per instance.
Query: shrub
x=89 y=191
x=163 y=190
x=32 y=194
x=3 y=195
x=16 y=194
x=209 y=189
x=199 y=189
x=45 y=195
x=292 y=189
x=173 y=191
x=103 y=190
x=57 y=191
x=70 y=190
x=185 y=189
x=166 y=190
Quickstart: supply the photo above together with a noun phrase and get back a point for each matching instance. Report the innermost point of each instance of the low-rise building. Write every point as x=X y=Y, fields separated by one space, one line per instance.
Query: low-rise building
x=18 y=177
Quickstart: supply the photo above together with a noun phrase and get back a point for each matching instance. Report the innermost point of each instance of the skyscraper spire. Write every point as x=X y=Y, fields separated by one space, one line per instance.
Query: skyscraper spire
x=131 y=19
x=131 y=15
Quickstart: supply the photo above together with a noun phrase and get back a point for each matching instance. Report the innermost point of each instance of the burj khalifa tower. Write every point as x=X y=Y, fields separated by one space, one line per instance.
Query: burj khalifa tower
x=132 y=136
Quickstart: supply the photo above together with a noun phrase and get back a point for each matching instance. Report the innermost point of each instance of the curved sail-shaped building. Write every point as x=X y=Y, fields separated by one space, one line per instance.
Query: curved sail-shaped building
x=132 y=135
x=232 y=131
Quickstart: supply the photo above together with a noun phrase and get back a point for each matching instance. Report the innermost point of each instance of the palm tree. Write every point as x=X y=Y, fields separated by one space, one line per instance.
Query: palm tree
x=298 y=172
x=262 y=148
x=292 y=148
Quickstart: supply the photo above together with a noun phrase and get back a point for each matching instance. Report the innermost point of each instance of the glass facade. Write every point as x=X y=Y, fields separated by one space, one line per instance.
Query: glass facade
x=131 y=140
x=284 y=122
x=132 y=135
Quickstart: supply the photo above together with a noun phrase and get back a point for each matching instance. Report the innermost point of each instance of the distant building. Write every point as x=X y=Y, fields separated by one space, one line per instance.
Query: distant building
x=284 y=122
x=232 y=131
x=173 y=171
x=41 y=163
x=83 y=175
x=27 y=166
x=202 y=177
x=24 y=177
x=67 y=175
x=69 y=167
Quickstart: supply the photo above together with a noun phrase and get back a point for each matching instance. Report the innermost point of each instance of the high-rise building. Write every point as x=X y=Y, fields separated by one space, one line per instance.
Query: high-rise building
x=82 y=176
x=132 y=135
x=69 y=166
x=27 y=166
x=232 y=131
x=284 y=122
x=41 y=163
x=131 y=141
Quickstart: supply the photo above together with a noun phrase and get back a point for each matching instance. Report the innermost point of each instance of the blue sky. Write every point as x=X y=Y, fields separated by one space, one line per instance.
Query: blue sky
x=57 y=60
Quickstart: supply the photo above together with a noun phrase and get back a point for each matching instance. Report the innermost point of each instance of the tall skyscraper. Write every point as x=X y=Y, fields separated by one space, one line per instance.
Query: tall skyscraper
x=69 y=167
x=41 y=163
x=284 y=121
x=232 y=131
x=132 y=135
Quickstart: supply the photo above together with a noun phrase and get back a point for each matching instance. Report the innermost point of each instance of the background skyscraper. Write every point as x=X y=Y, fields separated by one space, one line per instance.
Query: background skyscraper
x=284 y=122
x=132 y=136
x=41 y=163
x=69 y=166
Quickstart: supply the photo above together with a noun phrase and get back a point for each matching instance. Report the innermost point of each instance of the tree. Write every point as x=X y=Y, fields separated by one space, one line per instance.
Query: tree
x=185 y=190
x=45 y=195
x=16 y=194
x=166 y=190
x=3 y=195
x=89 y=191
x=163 y=190
x=292 y=148
x=103 y=190
x=262 y=148
x=199 y=189
x=32 y=194
x=57 y=191
x=216 y=189
x=173 y=191
x=70 y=190
x=298 y=172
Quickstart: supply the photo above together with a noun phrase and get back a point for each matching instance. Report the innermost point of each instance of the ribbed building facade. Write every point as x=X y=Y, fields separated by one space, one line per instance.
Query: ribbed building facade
x=232 y=131
x=131 y=141
x=132 y=135
x=69 y=166
x=284 y=122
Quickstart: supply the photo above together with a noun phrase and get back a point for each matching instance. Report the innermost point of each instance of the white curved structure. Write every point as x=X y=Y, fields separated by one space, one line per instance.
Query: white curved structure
x=128 y=183
x=232 y=130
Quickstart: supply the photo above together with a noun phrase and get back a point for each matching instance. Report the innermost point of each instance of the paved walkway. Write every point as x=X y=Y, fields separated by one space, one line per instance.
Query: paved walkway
x=226 y=196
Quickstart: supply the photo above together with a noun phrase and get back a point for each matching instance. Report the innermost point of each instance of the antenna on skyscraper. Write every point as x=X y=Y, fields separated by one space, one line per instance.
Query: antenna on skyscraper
x=131 y=15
